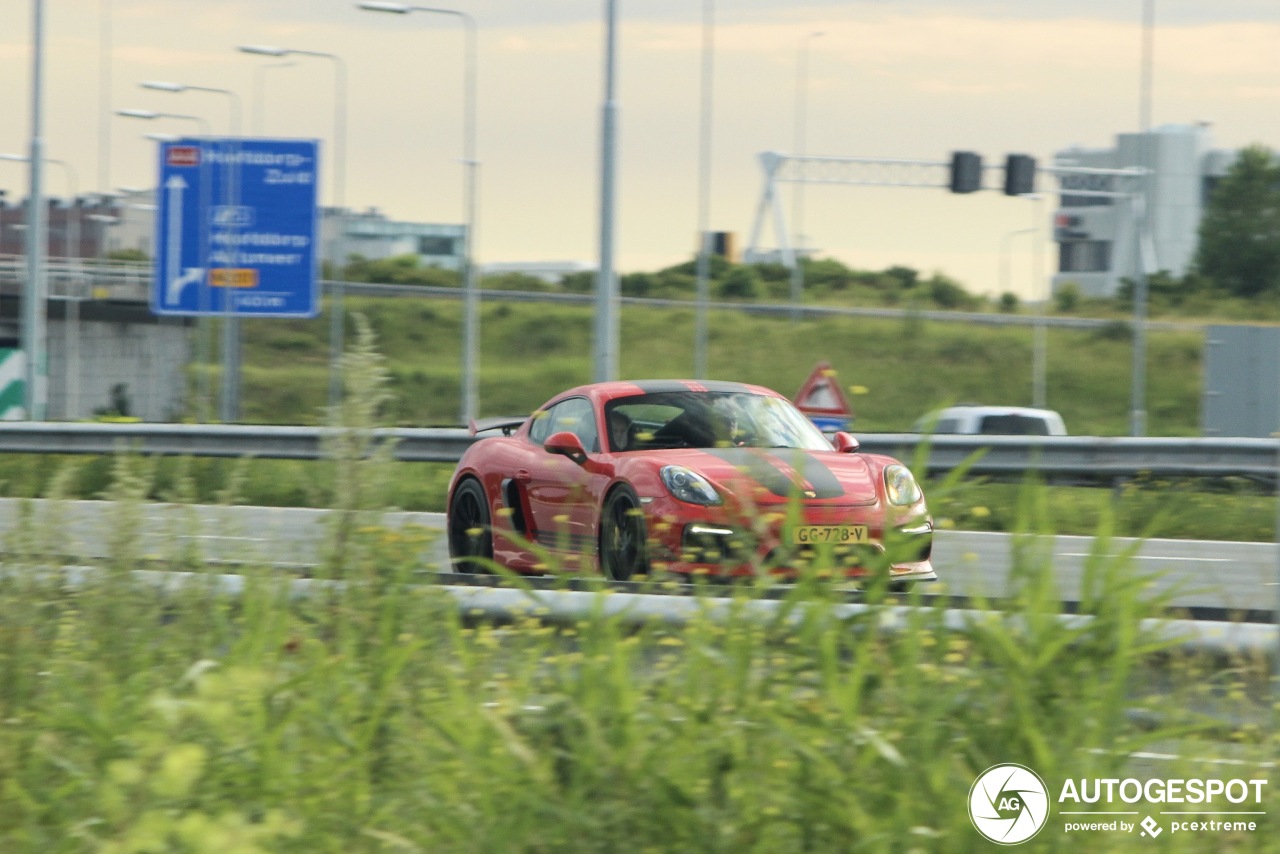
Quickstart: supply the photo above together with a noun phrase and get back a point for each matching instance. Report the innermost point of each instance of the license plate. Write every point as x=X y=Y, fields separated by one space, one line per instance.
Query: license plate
x=835 y=534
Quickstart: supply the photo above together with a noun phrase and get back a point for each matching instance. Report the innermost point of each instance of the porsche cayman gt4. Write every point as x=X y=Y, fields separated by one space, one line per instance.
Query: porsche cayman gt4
x=624 y=478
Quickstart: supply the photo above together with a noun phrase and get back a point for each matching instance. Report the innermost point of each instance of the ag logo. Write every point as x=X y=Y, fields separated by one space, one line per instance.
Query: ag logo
x=1008 y=804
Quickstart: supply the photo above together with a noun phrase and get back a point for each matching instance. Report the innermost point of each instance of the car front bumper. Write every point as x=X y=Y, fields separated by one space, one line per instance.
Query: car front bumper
x=708 y=544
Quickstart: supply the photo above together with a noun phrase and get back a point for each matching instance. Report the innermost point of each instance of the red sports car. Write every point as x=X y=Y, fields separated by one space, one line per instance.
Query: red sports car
x=682 y=476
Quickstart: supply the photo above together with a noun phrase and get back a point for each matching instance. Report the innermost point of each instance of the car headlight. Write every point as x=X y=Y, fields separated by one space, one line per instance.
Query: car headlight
x=900 y=486
x=687 y=485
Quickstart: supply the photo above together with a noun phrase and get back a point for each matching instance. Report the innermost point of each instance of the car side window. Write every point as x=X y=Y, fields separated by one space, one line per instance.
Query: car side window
x=574 y=415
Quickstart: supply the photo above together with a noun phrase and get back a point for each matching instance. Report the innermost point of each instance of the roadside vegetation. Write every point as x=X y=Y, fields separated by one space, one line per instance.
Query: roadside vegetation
x=374 y=714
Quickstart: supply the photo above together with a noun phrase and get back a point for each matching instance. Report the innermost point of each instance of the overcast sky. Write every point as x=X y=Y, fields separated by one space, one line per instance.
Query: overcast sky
x=887 y=79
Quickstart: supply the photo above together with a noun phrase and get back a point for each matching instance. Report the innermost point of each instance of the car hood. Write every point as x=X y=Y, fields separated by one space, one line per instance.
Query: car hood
x=774 y=474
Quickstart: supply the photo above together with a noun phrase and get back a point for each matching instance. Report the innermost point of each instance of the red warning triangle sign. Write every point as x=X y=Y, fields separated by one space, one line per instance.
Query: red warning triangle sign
x=821 y=394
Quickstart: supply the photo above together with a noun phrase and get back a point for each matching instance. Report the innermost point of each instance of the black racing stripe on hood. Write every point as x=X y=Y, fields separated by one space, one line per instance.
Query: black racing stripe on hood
x=666 y=386
x=769 y=468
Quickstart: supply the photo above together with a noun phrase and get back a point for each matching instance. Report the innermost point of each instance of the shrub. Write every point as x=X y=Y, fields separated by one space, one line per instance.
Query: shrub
x=1067 y=297
x=741 y=283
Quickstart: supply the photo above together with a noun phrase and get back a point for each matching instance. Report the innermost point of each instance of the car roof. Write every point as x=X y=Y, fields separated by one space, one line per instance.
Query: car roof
x=970 y=415
x=629 y=388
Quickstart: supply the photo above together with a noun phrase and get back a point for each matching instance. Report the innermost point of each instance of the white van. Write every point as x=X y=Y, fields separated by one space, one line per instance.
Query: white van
x=970 y=418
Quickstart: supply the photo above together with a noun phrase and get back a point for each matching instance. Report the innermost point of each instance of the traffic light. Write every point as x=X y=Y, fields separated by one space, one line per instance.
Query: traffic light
x=966 y=172
x=1019 y=175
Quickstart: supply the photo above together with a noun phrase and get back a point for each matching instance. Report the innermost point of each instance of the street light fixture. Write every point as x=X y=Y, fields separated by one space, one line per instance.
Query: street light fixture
x=166 y=86
x=152 y=114
x=160 y=86
x=337 y=326
x=470 y=309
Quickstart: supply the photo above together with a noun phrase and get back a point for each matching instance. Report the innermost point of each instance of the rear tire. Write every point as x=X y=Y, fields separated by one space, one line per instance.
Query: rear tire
x=623 y=536
x=470 y=528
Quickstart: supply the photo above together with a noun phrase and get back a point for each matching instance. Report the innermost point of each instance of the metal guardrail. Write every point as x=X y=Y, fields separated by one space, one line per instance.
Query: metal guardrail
x=444 y=444
x=639 y=609
x=1087 y=457
x=1075 y=457
x=83 y=278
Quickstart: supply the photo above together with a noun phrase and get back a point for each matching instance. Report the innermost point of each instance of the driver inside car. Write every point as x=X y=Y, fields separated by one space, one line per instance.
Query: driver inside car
x=619 y=430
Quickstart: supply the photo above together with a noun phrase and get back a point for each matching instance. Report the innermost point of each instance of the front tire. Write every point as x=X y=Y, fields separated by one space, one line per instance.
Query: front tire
x=623 y=536
x=470 y=528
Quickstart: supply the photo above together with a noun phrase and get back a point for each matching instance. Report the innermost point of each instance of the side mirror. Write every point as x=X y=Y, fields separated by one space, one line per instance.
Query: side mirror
x=846 y=443
x=566 y=444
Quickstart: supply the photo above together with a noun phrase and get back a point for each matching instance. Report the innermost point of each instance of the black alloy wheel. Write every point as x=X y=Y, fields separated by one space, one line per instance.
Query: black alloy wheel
x=470 y=534
x=622 y=536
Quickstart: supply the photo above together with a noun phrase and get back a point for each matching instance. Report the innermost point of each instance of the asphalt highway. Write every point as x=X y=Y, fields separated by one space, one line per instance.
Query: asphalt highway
x=1191 y=573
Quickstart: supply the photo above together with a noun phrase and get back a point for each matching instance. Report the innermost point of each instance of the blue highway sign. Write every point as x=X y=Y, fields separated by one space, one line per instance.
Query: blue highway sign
x=236 y=228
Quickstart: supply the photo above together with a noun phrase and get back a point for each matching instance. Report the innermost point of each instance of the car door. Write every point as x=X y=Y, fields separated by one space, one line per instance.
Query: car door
x=561 y=496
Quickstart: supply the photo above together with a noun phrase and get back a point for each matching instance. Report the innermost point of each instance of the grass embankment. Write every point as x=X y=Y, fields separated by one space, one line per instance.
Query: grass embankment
x=900 y=368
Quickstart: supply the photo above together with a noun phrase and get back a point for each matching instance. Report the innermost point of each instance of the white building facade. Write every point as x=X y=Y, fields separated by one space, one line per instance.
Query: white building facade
x=1095 y=235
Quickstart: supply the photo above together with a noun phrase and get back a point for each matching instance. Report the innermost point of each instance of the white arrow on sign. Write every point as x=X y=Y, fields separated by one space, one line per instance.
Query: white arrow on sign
x=173 y=294
x=176 y=278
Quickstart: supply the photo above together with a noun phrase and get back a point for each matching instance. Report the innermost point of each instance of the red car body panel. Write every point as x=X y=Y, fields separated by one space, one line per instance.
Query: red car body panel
x=546 y=507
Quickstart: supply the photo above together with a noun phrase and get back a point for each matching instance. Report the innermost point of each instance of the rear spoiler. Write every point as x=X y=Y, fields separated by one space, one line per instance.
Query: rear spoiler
x=506 y=424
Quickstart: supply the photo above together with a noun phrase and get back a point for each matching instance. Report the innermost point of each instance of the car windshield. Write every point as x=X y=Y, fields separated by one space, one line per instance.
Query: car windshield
x=702 y=419
x=1014 y=425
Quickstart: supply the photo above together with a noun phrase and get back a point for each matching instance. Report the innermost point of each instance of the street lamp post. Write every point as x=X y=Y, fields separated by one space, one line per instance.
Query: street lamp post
x=104 y=95
x=1040 y=335
x=802 y=92
x=1005 y=264
x=230 y=402
x=1138 y=402
x=607 y=299
x=71 y=248
x=1005 y=246
x=34 y=309
x=204 y=345
x=256 y=121
x=470 y=311
x=337 y=325
x=703 y=288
